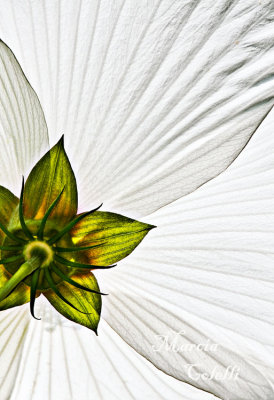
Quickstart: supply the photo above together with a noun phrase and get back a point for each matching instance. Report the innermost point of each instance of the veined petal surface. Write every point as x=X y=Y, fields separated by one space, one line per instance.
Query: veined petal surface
x=103 y=367
x=155 y=97
x=137 y=102
x=13 y=328
x=206 y=274
x=23 y=130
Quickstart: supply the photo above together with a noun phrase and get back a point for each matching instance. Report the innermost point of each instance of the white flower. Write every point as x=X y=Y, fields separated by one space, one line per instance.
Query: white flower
x=155 y=98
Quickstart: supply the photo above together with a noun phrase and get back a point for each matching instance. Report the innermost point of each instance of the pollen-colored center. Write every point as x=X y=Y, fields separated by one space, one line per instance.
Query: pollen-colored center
x=39 y=249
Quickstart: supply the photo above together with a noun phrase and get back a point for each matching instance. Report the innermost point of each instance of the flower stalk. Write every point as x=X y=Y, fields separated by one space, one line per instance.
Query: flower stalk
x=26 y=269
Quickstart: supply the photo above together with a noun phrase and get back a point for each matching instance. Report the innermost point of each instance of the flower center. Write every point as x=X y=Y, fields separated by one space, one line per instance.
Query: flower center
x=37 y=247
x=41 y=250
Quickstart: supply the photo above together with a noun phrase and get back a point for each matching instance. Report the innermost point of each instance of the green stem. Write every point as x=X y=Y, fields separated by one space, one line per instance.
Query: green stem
x=26 y=269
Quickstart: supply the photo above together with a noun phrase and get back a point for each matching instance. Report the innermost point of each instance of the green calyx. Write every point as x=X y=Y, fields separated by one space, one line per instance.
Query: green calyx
x=41 y=239
x=39 y=270
x=47 y=248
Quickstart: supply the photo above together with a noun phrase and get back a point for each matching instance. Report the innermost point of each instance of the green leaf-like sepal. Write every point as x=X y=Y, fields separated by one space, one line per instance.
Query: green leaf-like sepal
x=88 y=302
x=48 y=178
x=8 y=203
x=114 y=235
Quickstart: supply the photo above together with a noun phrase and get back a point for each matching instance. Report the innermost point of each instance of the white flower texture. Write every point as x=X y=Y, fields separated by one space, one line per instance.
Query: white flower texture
x=155 y=98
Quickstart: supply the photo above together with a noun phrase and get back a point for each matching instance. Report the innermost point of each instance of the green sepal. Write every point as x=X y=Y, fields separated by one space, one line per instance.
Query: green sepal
x=40 y=233
x=8 y=203
x=48 y=178
x=21 y=214
x=71 y=281
x=77 y=265
x=118 y=236
x=81 y=299
x=69 y=226
x=33 y=291
x=19 y=296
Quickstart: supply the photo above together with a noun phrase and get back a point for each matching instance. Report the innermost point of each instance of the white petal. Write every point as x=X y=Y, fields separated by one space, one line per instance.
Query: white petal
x=23 y=130
x=13 y=327
x=63 y=361
x=207 y=270
x=155 y=98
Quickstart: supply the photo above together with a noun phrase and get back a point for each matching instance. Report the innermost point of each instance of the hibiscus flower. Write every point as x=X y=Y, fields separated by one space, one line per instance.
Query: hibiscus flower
x=155 y=100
